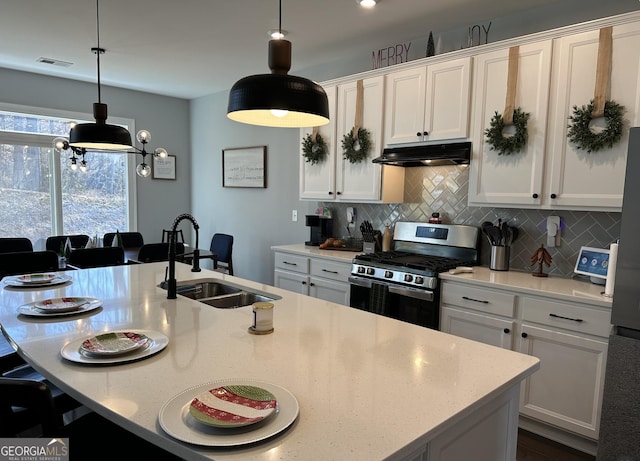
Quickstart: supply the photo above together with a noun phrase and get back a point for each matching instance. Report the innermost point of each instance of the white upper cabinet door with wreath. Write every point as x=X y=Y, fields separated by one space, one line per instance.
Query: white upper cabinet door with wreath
x=428 y=103
x=506 y=174
x=591 y=180
x=318 y=163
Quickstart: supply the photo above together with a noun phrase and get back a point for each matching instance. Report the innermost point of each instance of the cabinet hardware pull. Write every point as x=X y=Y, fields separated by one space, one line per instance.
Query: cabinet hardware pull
x=304 y=283
x=553 y=195
x=330 y=272
x=289 y=264
x=535 y=195
x=330 y=193
x=524 y=335
x=426 y=133
x=565 y=318
x=312 y=285
x=418 y=134
x=475 y=300
x=338 y=193
x=506 y=330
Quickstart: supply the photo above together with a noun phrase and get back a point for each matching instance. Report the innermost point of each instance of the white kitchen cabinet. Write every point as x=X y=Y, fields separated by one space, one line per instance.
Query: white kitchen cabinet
x=577 y=179
x=567 y=390
x=320 y=278
x=336 y=179
x=428 y=103
x=516 y=179
x=569 y=338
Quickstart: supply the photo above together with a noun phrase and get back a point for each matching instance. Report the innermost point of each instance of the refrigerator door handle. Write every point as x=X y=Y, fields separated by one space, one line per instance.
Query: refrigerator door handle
x=564 y=318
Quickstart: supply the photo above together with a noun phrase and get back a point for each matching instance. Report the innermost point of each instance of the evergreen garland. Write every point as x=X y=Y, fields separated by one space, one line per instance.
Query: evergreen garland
x=581 y=135
x=508 y=145
x=314 y=152
x=356 y=150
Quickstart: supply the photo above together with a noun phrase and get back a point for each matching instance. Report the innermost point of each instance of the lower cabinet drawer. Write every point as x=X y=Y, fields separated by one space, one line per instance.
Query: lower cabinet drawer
x=567 y=316
x=330 y=270
x=292 y=263
x=489 y=301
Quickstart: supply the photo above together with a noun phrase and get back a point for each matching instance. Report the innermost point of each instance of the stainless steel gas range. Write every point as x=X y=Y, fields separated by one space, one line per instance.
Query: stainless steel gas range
x=403 y=283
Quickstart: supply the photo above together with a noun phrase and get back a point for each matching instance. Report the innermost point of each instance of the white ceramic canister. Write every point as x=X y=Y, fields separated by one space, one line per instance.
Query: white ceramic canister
x=262 y=318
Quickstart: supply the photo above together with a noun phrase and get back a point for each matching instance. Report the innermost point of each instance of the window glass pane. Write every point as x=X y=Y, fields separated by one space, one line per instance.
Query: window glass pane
x=25 y=209
x=14 y=122
x=95 y=202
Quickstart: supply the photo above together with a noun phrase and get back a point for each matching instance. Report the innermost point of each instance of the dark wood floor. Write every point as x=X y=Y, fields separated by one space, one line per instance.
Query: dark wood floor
x=532 y=447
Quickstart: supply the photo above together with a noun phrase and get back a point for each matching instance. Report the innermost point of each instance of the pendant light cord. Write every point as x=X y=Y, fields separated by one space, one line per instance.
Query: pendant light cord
x=98 y=49
x=279 y=18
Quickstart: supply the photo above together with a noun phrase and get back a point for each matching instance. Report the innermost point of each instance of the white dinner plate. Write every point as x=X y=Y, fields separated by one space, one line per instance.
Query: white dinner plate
x=15 y=282
x=157 y=342
x=45 y=278
x=36 y=309
x=176 y=420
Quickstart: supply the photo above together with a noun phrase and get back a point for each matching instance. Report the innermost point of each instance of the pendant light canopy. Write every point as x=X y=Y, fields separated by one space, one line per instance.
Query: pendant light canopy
x=278 y=99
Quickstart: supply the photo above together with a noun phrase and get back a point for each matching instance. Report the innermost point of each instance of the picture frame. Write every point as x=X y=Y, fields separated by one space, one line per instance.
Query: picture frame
x=164 y=168
x=244 y=167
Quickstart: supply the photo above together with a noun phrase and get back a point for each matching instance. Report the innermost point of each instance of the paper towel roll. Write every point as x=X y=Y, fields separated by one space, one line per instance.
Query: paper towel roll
x=611 y=270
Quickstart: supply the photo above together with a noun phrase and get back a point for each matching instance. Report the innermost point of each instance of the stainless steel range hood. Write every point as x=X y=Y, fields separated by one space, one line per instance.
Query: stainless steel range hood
x=457 y=153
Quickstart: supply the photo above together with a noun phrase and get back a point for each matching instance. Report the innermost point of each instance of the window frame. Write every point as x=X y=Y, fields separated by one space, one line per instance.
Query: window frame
x=46 y=141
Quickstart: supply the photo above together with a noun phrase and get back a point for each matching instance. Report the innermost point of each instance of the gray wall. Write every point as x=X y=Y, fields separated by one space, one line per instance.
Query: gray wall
x=158 y=201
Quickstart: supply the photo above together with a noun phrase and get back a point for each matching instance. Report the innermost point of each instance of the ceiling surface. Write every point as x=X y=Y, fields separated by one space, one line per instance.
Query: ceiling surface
x=192 y=48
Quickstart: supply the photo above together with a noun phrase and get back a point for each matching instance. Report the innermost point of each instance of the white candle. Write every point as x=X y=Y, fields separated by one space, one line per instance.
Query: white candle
x=611 y=270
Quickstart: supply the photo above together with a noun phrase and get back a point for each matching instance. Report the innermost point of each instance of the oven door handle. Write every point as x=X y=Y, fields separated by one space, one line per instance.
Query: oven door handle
x=426 y=295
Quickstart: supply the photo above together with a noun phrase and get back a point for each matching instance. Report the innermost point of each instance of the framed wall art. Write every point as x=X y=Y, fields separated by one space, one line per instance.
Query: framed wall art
x=164 y=168
x=244 y=167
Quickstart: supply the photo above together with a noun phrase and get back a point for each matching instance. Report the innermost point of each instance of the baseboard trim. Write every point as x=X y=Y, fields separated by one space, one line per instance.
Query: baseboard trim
x=558 y=435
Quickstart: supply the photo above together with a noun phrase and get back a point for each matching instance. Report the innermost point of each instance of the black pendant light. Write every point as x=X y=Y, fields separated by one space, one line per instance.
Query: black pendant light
x=278 y=99
x=99 y=135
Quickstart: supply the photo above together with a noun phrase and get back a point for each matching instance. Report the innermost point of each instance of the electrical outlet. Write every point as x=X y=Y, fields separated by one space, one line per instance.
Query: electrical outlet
x=294 y=215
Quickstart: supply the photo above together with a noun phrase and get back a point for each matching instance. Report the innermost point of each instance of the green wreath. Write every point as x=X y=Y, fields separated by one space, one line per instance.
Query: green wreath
x=581 y=135
x=508 y=145
x=356 y=150
x=314 y=151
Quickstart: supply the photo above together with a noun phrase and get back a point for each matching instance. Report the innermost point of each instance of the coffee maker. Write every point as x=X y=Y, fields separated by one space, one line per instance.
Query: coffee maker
x=321 y=229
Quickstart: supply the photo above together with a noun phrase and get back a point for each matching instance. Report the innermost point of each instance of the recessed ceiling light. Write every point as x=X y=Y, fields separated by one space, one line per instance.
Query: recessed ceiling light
x=367 y=3
x=277 y=34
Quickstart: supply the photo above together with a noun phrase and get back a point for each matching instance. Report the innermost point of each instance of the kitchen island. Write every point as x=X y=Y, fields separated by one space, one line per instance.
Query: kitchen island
x=368 y=387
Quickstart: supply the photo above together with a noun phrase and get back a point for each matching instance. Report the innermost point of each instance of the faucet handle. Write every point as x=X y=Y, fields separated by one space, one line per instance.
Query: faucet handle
x=196 y=261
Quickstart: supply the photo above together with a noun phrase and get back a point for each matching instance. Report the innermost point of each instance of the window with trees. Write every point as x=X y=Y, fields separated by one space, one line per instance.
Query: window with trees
x=42 y=196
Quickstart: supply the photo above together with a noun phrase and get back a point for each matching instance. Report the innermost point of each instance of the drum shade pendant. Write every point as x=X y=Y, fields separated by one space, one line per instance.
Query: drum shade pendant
x=278 y=99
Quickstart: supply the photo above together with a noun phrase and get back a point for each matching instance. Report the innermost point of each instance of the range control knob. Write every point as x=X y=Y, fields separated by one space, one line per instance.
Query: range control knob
x=388 y=274
x=360 y=270
x=408 y=277
x=370 y=271
x=419 y=280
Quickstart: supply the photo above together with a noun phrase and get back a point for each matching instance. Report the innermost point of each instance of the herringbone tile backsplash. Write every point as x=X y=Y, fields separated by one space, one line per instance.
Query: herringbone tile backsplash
x=444 y=190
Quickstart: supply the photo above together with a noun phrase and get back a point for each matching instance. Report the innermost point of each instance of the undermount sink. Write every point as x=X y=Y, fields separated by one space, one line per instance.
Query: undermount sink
x=215 y=293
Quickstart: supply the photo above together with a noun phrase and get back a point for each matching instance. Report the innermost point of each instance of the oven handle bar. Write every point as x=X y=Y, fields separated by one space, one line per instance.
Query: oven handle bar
x=417 y=293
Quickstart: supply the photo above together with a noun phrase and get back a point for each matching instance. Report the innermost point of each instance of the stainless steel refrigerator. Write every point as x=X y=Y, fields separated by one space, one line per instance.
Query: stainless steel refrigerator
x=619 y=438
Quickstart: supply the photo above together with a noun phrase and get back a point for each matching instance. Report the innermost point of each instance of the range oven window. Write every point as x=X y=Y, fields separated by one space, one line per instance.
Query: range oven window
x=417 y=306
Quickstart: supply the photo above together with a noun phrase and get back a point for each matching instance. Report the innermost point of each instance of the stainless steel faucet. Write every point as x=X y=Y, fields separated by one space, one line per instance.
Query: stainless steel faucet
x=172 y=282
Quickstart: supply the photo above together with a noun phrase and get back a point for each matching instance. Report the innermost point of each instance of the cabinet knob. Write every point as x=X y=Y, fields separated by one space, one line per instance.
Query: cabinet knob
x=506 y=330
x=553 y=195
x=535 y=195
x=426 y=133
x=304 y=283
x=330 y=193
x=338 y=193
x=312 y=285
x=418 y=134
x=524 y=335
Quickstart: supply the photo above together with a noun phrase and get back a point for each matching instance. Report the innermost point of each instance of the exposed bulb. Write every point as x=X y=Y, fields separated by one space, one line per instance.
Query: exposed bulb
x=143 y=136
x=59 y=144
x=279 y=112
x=83 y=166
x=143 y=170
x=161 y=152
x=74 y=164
x=367 y=3
x=277 y=34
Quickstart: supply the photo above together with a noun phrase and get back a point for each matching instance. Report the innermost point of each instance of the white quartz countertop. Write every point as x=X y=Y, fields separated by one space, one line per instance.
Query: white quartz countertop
x=368 y=387
x=316 y=252
x=523 y=282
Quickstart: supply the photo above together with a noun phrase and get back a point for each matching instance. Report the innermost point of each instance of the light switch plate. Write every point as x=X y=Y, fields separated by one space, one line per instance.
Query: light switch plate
x=553 y=231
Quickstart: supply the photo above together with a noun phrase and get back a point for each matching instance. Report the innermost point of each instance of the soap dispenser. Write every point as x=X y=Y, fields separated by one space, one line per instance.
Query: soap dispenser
x=387 y=238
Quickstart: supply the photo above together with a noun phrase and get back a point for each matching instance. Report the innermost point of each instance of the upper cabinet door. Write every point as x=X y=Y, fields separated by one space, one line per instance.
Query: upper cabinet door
x=516 y=179
x=595 y=180
x=359 y=181
x=317 y=182
x=428 y=103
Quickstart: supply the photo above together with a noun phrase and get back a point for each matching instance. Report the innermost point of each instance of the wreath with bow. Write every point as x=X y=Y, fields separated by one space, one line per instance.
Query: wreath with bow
x=356 y=149
x=314 y=151
x=584 y=138
x=507 y=145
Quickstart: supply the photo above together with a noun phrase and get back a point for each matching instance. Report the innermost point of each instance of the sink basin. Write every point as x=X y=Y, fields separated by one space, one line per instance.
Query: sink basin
x=222 y=295
x=236 y=300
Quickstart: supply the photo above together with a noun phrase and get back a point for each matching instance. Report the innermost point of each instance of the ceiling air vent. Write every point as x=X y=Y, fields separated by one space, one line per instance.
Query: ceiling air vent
x=54 y=62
